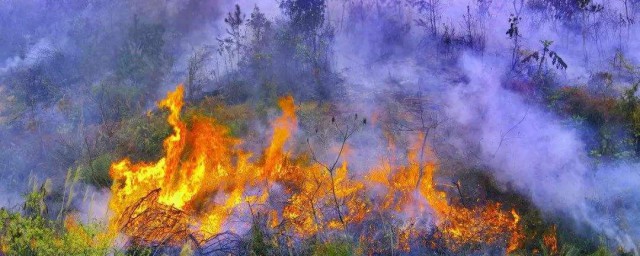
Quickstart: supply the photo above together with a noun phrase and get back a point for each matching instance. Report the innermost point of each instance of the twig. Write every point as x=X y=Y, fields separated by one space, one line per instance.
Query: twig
x=502 y=138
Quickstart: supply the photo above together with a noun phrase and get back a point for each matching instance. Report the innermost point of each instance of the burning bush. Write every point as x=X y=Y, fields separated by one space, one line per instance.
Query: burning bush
x=205 y=183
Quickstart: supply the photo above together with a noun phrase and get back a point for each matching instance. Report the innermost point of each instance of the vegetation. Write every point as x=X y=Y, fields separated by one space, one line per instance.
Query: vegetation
x=69 y=110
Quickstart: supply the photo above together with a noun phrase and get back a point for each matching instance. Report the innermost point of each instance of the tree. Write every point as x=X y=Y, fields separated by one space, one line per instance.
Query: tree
x=235 y=21
x=312 y=38
x=259 y=25
x=142 y=61
x=346 y=132
x=587 y=8
x=431 y=10
x=469 y=25
x=306 y=16
x=514 y=31
x=514 y=34
x=195 y=78
x=307 y=20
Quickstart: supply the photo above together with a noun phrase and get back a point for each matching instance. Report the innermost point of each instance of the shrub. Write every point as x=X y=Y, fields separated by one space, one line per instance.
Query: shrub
x=20 y=235
x=334 y=248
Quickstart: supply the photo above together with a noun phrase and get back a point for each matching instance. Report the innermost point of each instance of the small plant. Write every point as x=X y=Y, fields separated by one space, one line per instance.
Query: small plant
x=334 y=248
x=345 y=133
x=514 y=34
x=34 y=204
x=541 y=57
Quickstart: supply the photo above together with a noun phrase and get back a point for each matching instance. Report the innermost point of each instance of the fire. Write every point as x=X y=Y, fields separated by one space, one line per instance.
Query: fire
x=550 y=240
x=460 y=226
x=190 y=154
x=204 y=178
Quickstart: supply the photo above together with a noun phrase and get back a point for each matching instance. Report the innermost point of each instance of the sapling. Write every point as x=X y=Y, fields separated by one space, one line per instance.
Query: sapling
x=541 y=57
x=514 y=35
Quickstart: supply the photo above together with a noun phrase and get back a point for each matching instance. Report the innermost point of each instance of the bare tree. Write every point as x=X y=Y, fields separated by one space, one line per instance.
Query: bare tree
x=195 y=80
x=587 y=8
x=418 y=119
x=470 y=24
x=233 y=42
x=431 y=10
x=627 y=16
x=349 y=129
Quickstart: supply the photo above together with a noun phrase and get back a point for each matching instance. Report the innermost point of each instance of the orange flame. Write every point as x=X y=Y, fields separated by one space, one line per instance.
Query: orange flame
x=550 y=240
x=204 y=178
x=204 y=175
x=180 y=175
x=459 y=226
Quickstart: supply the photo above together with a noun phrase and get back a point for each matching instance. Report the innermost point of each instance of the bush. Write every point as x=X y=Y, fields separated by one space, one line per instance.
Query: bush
x=334 y=248
x=20 y=235
x=97 y=172
x=141 y=138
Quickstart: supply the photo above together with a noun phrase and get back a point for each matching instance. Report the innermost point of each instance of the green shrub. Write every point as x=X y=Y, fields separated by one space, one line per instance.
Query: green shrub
x=20 y=235
x=334 y=248
x=97 y=171
x=258 y=243
x=141 y=138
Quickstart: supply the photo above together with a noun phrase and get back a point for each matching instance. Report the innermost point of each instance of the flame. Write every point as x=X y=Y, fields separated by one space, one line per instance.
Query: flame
x=408 y=185
x=550 y=240
x=180 y=175
x=204 y=178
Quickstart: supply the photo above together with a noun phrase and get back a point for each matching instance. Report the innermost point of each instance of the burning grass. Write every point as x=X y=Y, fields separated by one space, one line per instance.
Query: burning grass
x=205 y=180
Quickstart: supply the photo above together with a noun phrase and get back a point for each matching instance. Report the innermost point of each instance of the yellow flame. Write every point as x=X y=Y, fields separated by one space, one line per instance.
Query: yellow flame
x=460 y=226
x=207 y=178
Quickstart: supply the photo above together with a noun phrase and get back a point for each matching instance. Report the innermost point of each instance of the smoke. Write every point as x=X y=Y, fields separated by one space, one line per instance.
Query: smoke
x=34 y=54
x=525 y=147
x=380 y=53
x=531 y=152
x=93 y=204
x=53 y=56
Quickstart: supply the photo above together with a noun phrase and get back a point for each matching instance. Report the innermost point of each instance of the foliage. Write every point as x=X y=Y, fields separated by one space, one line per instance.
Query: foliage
x=142 y=60
x=97 y=171
x=22 y=235
x=541 y=57
x=34 y=204
x=306 y=16
x=196 y=78
x=604 y=114
x=334 y=248
x=258 y=241
x=141 y=138
x=236 y=117
x=115 y=102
